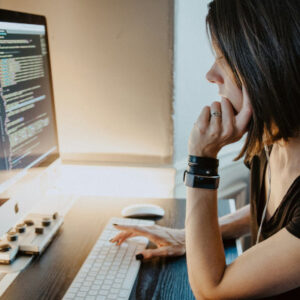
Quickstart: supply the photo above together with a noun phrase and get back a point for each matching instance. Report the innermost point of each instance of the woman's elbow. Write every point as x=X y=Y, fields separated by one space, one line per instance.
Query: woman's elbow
x=207 y=294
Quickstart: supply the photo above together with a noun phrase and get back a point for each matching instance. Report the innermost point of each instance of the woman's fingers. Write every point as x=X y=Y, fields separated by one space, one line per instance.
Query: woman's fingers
x=139 y=231
x=216 y=118
x=234 y=126
x=122 y=236
x=218 y=126
x=170 y=242
x=244 y=116
x=130 y=228
x=227 y=119
x=203 y=120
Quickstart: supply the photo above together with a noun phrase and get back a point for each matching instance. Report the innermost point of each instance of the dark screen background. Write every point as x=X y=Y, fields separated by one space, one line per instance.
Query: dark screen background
x=27 y=121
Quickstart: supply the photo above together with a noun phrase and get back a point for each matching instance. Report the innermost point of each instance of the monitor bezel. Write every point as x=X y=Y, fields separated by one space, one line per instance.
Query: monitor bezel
x=26 y=18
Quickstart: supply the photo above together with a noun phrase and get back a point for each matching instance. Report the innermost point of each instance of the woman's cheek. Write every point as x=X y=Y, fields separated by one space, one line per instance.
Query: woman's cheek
x=237 y=102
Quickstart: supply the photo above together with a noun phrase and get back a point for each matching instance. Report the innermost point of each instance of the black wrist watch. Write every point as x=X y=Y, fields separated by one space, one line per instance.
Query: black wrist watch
x=200 y=181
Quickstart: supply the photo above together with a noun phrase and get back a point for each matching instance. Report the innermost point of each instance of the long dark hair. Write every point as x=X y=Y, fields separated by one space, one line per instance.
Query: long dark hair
x=260 y=40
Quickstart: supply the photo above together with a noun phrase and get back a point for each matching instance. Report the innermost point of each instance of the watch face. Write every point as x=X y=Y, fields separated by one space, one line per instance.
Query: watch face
x=203 y=182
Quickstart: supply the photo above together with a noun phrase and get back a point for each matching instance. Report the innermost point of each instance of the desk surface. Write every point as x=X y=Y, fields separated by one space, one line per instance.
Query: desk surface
x=49 y=276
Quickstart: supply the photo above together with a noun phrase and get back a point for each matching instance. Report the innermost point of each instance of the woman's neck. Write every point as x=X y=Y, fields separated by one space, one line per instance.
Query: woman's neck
x=287 y=154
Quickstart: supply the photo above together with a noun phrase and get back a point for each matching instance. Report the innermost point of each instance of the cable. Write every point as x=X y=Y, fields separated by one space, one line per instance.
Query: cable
x=268 y=196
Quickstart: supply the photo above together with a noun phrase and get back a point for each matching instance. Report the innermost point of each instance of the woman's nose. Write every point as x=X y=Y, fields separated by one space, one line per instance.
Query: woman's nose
x=214 y=76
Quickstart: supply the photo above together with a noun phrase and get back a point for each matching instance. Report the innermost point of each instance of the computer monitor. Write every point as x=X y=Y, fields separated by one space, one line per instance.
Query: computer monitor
x=28 y=133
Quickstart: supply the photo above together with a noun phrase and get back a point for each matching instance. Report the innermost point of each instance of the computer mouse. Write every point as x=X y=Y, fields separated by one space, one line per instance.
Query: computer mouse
x=143 y=210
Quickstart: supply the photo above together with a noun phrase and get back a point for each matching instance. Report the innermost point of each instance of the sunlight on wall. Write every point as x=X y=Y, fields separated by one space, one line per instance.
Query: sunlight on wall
x=115 y=181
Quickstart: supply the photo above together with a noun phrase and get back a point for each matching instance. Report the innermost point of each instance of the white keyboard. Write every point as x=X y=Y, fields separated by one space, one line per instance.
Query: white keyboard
x=109 y=271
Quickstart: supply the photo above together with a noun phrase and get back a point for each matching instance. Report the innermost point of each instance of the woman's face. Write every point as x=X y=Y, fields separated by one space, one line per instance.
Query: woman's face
x=221 y=74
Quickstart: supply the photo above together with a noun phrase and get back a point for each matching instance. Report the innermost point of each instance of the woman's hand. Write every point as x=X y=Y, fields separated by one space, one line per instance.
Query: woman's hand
x=211 y=132
x=169 y=241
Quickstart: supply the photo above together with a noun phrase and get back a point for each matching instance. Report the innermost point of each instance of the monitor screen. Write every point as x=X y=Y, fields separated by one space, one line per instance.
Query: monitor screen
x=28 y=134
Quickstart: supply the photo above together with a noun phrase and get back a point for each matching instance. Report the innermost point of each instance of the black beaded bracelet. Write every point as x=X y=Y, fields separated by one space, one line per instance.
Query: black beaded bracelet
x=205 y=166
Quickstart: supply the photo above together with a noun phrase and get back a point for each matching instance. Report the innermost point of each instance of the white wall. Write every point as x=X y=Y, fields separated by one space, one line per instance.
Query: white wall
x=193 y=58
x=112 y=71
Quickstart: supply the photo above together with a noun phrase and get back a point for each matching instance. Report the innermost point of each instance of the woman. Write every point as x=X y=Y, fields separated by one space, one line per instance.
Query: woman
x=257 y=70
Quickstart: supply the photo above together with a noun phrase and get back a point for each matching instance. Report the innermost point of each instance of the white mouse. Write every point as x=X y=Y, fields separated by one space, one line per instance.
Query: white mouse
x=143 y=210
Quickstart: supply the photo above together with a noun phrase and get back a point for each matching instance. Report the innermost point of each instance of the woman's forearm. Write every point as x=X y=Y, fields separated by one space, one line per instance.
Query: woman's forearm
x=204 y=233
x=235 y=225
x=204 y=247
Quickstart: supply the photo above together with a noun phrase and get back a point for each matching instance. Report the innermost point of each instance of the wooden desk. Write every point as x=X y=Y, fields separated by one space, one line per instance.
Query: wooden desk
x=49 y=276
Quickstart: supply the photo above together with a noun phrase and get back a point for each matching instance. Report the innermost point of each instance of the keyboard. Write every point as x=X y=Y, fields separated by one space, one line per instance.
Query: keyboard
x=109 y=272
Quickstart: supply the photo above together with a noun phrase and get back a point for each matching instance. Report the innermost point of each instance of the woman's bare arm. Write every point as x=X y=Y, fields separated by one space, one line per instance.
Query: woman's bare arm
x=267 y=269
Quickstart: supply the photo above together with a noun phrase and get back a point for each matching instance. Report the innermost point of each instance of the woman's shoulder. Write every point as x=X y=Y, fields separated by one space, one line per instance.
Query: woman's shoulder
x=293 y=206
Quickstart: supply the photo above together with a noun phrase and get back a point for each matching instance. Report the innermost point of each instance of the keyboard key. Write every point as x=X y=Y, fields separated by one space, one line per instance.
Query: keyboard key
x=123 y=271
x=88 y=283
x=104 y=293
x=105 y=286
x=116 y=285
x=90 y=278
x=95 y=287
x=93 y=273
x=123 y=293
x=92 y=293
x=73 y=290
x=70 y=296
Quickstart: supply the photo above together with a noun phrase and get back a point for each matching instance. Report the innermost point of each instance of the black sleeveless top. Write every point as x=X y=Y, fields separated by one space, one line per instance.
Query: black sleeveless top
x=287 y=215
